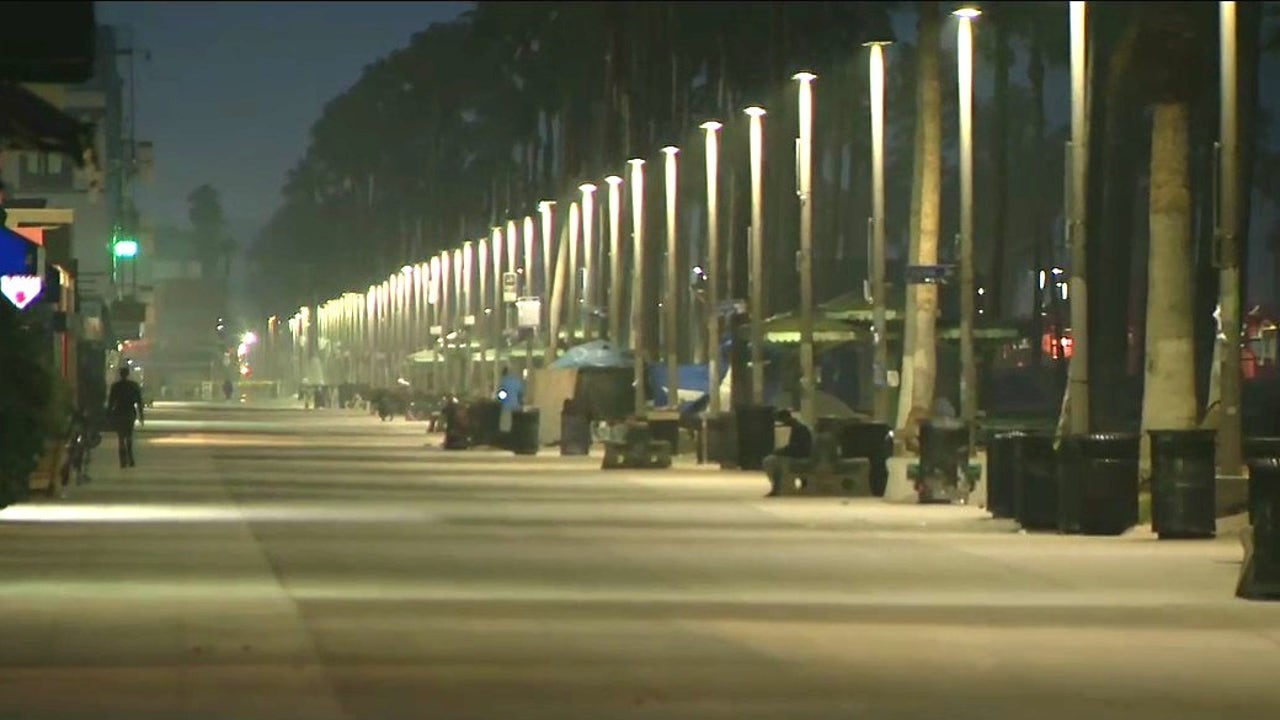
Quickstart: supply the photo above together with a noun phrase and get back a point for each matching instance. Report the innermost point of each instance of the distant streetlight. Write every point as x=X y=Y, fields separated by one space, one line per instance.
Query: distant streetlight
x=1229 y=449
x=545 y=211
x=964 y=77
x=878 y=295
x=574 y=296
x=496 y=320
x=637 y=281
x=671 y=329
x=527 y=262
x=755 y=262
x=804 y=189
x=615 y=258
x=588 y=255
x=711 y=127
x=484 y=314
x=472 y=302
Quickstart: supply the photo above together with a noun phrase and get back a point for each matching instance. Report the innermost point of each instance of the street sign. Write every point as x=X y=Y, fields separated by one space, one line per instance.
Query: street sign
x=508 y=287
x=21 y=290
x=930 y=274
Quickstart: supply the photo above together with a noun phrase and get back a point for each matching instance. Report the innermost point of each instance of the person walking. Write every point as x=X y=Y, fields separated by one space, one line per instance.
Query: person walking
x=124 y=407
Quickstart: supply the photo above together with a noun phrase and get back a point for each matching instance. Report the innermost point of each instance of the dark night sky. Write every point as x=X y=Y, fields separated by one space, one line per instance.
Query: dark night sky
x=232 y=89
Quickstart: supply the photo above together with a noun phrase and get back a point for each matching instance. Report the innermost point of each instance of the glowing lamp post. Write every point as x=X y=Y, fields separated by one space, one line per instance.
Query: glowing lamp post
x=671 y=327
x=711 y=128
x=804 y=189
x=615 y=257
x=755 y=260
x=637 y=280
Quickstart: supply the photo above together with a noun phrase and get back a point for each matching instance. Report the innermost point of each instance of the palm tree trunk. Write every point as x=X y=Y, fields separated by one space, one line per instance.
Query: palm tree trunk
x=921 y=357
x=1169 y=398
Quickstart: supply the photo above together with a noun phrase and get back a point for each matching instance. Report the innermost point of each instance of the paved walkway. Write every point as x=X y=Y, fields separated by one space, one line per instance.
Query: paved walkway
x=274 y=563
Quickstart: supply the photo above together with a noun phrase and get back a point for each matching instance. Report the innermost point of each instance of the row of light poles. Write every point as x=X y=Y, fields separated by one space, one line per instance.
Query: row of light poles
x=398 y=310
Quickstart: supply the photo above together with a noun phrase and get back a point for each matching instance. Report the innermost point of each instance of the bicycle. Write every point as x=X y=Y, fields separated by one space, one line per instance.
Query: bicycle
x=81 y=439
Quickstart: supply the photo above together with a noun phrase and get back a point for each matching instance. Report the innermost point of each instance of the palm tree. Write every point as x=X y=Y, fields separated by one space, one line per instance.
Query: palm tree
x=919 y=363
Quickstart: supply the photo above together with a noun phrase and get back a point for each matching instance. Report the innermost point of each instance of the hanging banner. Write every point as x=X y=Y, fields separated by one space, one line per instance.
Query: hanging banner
x=21 y=290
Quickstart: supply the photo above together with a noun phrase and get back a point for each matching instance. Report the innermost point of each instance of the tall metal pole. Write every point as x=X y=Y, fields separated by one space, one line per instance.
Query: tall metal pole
x=615 y=258
x=545 y=209
x=671 y=328
x=574 y=295
x=1078 y=370
x=1230 y=381
x=878 y=295
x=755 y=260
x=527 y=267
x=494 y=321
x=713 y=264
x=804 y=188
x=964 y=77
x=637 y=281
x=485 y=316
x=589 y=280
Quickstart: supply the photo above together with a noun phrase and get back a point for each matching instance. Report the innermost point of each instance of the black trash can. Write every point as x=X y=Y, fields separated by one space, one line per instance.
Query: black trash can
x=1002 y=469
x=1183 y=483
x=486 y=416
x=575 y=435
x=1260 y=576
x=1098 y=483
x=457 y=427
x=873 y=441
x=1259 y=448
x=524 y=431
x=754 y=430
x=716 y=438
x=666 y=429
x=944 y=461
x=1035 y=482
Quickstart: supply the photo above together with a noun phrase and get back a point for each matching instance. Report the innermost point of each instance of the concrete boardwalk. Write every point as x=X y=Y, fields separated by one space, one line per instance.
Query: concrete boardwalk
x=275 y=563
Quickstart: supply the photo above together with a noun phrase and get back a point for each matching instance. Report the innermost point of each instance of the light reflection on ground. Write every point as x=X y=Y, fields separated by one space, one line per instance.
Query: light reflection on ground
x=210 y=513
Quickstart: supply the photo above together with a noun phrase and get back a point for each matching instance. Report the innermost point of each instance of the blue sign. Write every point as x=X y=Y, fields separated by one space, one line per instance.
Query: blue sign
x=18 y=255
x=929 y=274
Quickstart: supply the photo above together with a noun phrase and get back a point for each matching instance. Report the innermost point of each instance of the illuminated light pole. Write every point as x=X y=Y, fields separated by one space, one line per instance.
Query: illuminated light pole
x=755 y=260
x=527 y=268
x=589 y=260
x=637 y=281
x=964 y=84
x=671 y=328
x=484 y=314
x=1229 y=449
x=447 y=316
x=462 y=269
x=615 y=258
x=526 y=264
x=434 y=320
x=878 y=294
x=711 y=127
x=804 y=189
x=1078 y=367
x=574 y=296
x=473 y=304
x=496 y=322
x=546 y=210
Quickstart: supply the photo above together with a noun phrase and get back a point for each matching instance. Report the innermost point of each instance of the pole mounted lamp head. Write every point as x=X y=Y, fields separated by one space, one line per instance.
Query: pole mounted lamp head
x=711 y=125
x=754 y=111
x=967 y=12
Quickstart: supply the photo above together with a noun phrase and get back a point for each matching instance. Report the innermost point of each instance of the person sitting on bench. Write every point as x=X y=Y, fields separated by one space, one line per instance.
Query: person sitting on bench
x=799 y=445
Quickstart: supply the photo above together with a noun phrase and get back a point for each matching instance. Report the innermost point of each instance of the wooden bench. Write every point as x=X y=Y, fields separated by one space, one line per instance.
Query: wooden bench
x=635 y=449
x=825 y=473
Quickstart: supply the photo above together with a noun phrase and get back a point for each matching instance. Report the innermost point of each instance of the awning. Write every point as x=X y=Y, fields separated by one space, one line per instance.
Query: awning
x=29 y=122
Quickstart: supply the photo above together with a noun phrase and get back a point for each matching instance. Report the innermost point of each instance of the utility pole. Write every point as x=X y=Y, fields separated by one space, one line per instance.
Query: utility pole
x=1229 y=449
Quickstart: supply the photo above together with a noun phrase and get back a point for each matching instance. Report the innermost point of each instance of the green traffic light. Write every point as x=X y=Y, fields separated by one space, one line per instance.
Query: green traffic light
x=125 y=248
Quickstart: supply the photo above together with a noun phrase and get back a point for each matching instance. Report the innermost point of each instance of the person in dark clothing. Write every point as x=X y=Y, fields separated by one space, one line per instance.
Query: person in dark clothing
x=124 y=407
x=799 y=445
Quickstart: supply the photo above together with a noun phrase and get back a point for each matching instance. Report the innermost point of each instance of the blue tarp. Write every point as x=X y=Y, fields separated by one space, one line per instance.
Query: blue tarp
x=17 y=254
